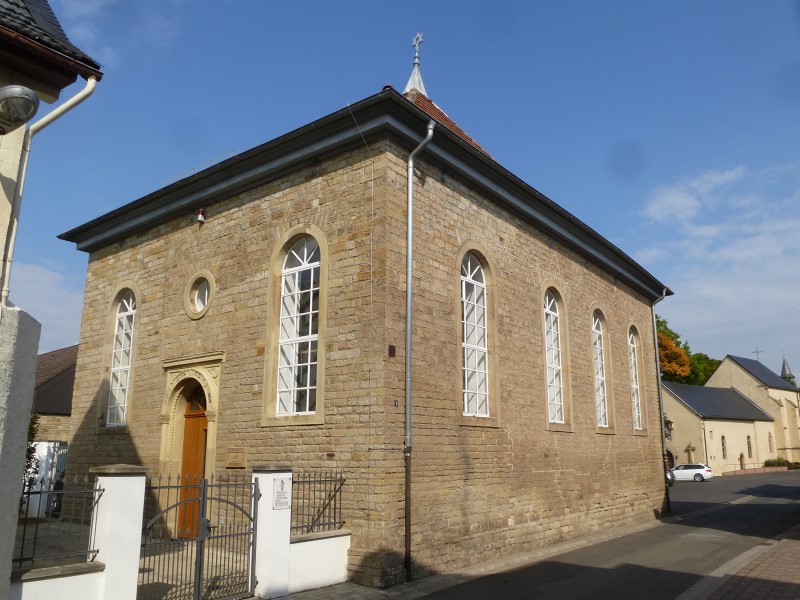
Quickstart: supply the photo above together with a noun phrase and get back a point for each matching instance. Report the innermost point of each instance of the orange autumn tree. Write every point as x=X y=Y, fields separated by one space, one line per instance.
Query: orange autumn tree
x=673 y=359
x=678 y=362
x=673 y=354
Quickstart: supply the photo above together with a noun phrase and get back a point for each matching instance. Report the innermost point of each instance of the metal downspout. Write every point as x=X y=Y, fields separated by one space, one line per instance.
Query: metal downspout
x=661 y=402
x=409 y=296
x=8 y=250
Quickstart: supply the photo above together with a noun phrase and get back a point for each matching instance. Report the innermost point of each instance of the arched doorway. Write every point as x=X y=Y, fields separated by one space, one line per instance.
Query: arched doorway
x=670 y=459
x=193 y=457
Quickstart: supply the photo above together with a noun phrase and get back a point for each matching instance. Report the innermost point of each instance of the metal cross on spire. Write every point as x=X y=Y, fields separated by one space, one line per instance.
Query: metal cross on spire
x=415 y=81
x=757 y=352
x=418 y=39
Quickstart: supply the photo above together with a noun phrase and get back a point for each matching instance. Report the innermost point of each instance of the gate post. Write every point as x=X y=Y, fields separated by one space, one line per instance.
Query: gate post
x=273 y=530
x=117 y=528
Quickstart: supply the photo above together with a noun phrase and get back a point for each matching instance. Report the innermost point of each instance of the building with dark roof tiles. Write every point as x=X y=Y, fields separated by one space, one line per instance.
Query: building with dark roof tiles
x=720 y=427
x=717 y=403
x=775 y=396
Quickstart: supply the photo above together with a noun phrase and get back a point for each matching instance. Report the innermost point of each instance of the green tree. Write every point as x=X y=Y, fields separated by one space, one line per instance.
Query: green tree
x=703 y=367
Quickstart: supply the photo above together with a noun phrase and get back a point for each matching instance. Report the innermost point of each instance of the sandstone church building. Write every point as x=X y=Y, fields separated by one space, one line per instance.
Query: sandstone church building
x=254 y=313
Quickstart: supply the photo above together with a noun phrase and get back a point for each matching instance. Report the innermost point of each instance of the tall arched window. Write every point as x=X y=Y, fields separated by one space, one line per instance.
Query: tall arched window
x=474 y=341
x=299 y=322
x=121 y=360
x=634 y=366
x=769 y=441
x=552 y=337
x=749 y=448
x=600 y=397
x=724 y=448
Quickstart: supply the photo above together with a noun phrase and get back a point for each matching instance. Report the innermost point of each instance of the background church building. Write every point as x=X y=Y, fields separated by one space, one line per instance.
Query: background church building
x=744 y=415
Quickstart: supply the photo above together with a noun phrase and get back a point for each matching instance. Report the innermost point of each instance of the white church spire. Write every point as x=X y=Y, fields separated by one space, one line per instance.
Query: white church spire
x=415 y=81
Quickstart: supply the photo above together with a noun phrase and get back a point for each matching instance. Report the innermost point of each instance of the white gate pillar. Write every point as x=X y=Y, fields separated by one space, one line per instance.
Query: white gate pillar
x=19 y=340
x=273 y=530
x=117 y=528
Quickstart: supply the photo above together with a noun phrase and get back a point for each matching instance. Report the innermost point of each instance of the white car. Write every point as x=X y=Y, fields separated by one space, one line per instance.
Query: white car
x=698 y=472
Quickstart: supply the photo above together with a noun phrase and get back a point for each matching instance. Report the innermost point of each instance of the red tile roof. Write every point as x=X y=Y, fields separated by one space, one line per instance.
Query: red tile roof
x=55 y=378
x=50 y=364
x=426 y=104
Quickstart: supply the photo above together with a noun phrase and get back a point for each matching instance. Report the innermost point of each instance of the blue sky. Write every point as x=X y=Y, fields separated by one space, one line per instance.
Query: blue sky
x=671 y=128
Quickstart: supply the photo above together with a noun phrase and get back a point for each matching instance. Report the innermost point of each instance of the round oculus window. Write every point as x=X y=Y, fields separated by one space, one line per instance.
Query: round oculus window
x=199 y=294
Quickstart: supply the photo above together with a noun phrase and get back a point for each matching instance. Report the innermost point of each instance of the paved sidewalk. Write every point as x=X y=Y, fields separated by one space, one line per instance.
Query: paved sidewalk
x=773 y=573
x=768 y=571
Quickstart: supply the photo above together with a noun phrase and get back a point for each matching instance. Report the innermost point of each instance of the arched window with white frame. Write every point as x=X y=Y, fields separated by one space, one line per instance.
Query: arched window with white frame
x=299 y=329
x=598 y=352
x=636 y=402
x=553 y=358
x=474 y=337
x=122 y=354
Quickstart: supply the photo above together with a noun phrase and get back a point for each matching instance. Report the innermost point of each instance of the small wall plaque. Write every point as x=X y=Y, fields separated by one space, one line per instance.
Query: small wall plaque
x=282 y=493
x=237 y=458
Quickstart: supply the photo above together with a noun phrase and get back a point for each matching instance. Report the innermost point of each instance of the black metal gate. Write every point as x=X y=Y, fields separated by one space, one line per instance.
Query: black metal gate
x=199 y=539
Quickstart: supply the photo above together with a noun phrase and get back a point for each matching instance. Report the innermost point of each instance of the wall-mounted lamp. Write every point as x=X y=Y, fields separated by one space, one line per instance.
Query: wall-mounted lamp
x=201 y=215
x=18 y=105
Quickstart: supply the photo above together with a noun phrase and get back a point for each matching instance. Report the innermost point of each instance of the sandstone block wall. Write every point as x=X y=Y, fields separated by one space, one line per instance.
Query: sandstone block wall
x=478 y=490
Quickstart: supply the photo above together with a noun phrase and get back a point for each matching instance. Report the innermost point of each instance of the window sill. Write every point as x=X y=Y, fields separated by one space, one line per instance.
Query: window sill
x=112 y=430
x=286 y=420
x=641 y=432
x=561 y=427
x=470 y=421
x=605 y=431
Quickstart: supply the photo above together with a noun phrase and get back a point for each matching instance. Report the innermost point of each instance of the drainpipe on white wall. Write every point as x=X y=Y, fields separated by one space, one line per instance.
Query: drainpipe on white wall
x=8 y=250
x=661 y=400
x=409 y=296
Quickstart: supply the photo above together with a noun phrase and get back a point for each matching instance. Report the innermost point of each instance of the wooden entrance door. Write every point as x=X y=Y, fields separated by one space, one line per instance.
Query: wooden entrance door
x=193 y=461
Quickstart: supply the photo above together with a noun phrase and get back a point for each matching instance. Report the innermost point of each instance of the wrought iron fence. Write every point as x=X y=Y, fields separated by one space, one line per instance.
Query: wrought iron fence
x=54 y=522
x=317 y=501
x=198 y=537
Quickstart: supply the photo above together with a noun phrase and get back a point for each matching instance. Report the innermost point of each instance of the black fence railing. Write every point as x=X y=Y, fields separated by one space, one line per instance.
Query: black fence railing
x=317 y=501
x=198 y=537
x=54 y=522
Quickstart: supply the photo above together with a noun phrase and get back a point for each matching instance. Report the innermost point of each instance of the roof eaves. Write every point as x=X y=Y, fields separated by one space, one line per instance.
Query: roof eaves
x=384 y=114
x=34 y=24
x=59 y=60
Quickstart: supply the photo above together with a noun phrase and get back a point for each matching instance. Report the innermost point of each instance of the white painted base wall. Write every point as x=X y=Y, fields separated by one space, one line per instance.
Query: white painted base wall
x=311 y=562
x=86 y=587
x=318 y=563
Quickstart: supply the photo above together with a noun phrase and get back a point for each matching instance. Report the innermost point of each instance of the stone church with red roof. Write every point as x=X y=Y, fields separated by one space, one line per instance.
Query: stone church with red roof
x=255 y=313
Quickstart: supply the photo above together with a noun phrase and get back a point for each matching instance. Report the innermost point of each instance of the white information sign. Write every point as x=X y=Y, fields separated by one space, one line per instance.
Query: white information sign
x=282 y=493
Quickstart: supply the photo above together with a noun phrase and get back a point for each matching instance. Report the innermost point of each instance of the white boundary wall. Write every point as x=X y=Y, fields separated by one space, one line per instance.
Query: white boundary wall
x=282 y=567
x=318 y=562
